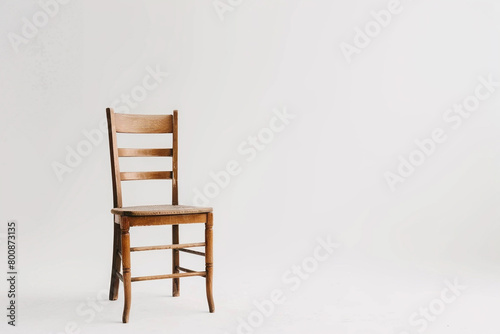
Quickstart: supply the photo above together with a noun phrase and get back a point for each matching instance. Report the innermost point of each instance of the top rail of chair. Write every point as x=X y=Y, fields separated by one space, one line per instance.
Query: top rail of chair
x=129 y=123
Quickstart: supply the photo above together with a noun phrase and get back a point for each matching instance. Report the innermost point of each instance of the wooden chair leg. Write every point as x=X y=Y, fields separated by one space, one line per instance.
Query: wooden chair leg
x=209 y=260
x=115 y=267
x=127 y=283
x=175 y=262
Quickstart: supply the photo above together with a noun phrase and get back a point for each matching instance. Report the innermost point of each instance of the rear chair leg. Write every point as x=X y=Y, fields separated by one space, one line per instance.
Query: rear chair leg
x=209 y=260
x=115 y=268
x=175 y=262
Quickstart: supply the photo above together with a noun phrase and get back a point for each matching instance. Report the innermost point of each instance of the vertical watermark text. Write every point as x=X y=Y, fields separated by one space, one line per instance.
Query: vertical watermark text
x=12 y=272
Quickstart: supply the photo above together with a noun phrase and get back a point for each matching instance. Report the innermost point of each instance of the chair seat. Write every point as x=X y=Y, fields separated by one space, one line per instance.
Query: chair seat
x=159 y=210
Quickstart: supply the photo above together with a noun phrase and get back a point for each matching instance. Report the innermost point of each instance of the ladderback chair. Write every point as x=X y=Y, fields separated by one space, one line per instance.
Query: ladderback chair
x=134 y=216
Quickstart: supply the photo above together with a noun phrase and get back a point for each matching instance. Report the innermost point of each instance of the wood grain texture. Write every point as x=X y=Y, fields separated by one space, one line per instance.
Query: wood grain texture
x=127 y=123
x=167 y=220
x=135 y=176
x=175 y=186
x=115 y=167
x=144 y=152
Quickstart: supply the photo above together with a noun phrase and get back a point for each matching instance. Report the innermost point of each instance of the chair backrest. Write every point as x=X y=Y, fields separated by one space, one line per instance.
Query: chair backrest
x=152 y=124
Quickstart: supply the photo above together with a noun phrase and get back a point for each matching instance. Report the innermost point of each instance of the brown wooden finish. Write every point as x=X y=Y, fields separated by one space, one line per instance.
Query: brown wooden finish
x=115 y=268
x=176 y=282
x=160 y=210
x=209 y=260
x=175 y=191
x=174 y=246
x=149 y=278
x=126 y=272
x=167 y=220
x=150 y=215
x=190 y=251
x=143 y=123
x=131 y=176
x=144 y=152
x=185 y=270
x=115 y=167
x=120 y=277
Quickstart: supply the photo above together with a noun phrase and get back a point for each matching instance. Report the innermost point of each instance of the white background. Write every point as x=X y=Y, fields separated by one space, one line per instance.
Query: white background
x=323 y=175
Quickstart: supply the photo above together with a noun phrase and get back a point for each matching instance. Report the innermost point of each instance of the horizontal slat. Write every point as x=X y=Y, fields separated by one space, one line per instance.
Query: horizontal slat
x=185 y=270
x=167 y=220
x=144 y=152
x=149 y=278
x=190 y=251
x=131 y=176
x=143 y=123
x=176 y=246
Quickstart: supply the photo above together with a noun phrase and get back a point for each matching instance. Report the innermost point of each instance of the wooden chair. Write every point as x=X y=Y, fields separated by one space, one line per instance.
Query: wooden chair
x=127 y=217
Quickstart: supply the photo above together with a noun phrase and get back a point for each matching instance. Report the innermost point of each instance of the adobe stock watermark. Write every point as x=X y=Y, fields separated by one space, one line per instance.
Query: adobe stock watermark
x=292 y=279
x=364 y=36
x=222 y=7
x=453 y=118
x=249 y=150
x=420 y=320
x=96 y=136
x=31 y=27
x=86 y=312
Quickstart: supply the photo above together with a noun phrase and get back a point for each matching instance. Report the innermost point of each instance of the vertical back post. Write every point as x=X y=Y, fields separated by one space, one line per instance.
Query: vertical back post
x=175 y=192
x=175 y=201
x=113 y=150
